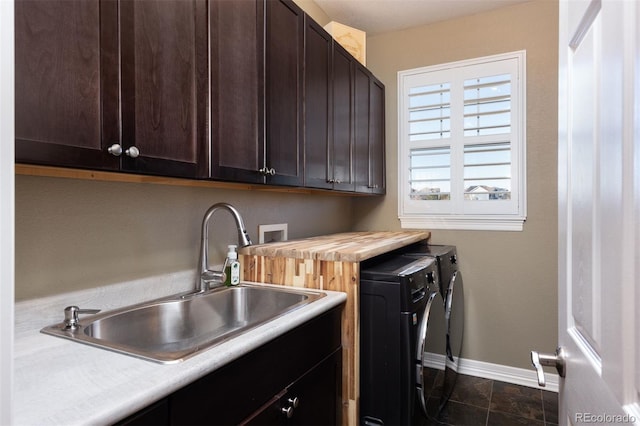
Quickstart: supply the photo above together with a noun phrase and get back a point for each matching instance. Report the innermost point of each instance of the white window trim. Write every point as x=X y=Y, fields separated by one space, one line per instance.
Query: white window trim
x=438 y=220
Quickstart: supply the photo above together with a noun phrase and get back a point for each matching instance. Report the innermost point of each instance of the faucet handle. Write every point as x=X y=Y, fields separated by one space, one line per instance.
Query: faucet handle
x=71 y=316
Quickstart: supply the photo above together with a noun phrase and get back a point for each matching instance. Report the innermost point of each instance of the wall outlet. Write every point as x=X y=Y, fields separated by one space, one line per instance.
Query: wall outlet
x=272 y=233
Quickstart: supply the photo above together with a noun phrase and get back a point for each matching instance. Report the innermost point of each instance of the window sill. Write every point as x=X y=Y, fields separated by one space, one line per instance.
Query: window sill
x=466 y=223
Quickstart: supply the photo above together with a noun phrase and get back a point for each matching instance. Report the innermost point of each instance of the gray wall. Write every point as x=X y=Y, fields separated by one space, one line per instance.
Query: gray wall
x=75 y=234
x=510 y=277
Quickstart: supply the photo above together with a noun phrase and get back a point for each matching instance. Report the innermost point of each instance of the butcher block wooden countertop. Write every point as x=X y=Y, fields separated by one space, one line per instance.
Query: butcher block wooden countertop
x=328 y=262
x=344 y=247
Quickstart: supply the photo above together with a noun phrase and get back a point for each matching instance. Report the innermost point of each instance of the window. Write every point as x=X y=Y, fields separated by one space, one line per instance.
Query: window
x=461 y=144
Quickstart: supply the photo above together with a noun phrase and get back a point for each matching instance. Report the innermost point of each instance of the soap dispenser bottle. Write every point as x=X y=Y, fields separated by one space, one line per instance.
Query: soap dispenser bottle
x=232 y=269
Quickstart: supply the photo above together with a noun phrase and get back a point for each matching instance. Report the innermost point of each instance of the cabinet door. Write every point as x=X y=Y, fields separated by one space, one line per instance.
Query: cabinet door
x=377 y=181
x=66 y=86
x=317 y=105
x=155 y=415
x=242 y=389
x=369 y=161
x=237 y=90
x=164 y=82
x=341 y=154
x=362 y=104
x=316 y=398
x=283 y=85
x=313 y=399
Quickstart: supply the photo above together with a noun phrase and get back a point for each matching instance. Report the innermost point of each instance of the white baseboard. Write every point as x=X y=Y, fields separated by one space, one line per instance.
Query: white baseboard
x=503 y=373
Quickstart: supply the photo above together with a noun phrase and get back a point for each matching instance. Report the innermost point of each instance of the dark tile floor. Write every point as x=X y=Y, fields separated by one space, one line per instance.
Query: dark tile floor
x=482 y=402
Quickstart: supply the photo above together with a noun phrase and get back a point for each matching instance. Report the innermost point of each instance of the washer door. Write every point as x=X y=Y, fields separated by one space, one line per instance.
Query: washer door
x=429 y=336
x=454 y=315
x=454 y=318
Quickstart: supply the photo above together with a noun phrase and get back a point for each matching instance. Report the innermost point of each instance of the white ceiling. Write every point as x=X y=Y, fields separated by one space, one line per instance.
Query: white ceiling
x=381 y=16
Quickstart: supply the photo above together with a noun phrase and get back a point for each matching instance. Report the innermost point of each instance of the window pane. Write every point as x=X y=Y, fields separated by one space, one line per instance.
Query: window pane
x=487 y=171
x=429 y=112
x=430 y=171
x=487 y=105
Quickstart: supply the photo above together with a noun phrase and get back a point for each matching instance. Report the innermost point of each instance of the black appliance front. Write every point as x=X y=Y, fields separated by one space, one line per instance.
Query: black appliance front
x=397 y=296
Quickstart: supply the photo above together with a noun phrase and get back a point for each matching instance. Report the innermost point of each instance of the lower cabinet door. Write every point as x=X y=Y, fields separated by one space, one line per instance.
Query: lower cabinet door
x=240 y=391
x=314 y=399
x=155 y=415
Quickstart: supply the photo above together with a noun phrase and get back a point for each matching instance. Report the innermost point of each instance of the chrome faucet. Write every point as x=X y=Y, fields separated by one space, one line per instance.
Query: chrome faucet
x=207 y=277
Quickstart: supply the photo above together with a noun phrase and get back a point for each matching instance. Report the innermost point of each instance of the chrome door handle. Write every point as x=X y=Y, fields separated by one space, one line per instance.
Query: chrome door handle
x=547 y=360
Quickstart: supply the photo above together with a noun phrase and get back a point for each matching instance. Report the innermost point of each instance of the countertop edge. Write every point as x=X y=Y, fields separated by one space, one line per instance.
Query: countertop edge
x=57 y=381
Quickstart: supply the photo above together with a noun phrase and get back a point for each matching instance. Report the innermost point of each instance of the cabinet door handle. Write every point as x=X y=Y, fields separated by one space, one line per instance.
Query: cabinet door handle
x=267 y=171
x=132 y=152
x=294 y=401
x=287 y=411
x=115 y=150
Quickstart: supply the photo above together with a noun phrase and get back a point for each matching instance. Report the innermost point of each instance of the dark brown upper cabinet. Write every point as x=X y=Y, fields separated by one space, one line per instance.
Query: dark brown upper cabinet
x=341 y=152
x=318 y=105
x=112 y=85
x=237 y=90
x=369 y=128
x=257 y=53
x=248 y=91
x=328 y=112
x=377 y=171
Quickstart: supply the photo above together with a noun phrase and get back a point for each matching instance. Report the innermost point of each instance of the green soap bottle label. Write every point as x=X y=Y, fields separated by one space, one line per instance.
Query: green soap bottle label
x=235 y=273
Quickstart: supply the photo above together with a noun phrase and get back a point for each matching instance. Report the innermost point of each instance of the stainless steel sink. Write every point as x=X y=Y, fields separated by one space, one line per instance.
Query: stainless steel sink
x=172 y=329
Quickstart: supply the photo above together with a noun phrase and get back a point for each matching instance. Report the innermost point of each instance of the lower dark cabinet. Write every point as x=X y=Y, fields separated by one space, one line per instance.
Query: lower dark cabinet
x=311 y=400
x=154 y=415
x=304 y=363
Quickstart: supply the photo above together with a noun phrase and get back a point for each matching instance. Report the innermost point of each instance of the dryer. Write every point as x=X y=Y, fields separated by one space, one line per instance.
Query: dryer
x=452 y=291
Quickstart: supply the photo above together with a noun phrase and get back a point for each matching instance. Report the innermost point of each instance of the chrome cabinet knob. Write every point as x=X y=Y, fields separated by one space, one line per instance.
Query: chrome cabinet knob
x=115 y=149
x=266 y=171
x=556 y=360
x=288 y=412
x=294 y=401
x=132 y=152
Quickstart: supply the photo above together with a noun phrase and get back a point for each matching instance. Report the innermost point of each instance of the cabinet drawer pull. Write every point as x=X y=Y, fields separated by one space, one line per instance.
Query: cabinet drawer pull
x=115 y=150
x=267 y=171
x=287 y=412
x=132 y=152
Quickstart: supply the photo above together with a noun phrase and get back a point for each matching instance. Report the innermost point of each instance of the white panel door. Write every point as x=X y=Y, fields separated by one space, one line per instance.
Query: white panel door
x=598 y=210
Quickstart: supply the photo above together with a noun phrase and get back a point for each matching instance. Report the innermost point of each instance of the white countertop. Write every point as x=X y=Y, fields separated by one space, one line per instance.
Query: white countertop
x=57 y=381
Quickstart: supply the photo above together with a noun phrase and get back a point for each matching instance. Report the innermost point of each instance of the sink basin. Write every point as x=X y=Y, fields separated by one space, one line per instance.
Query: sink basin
x=175 y=328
